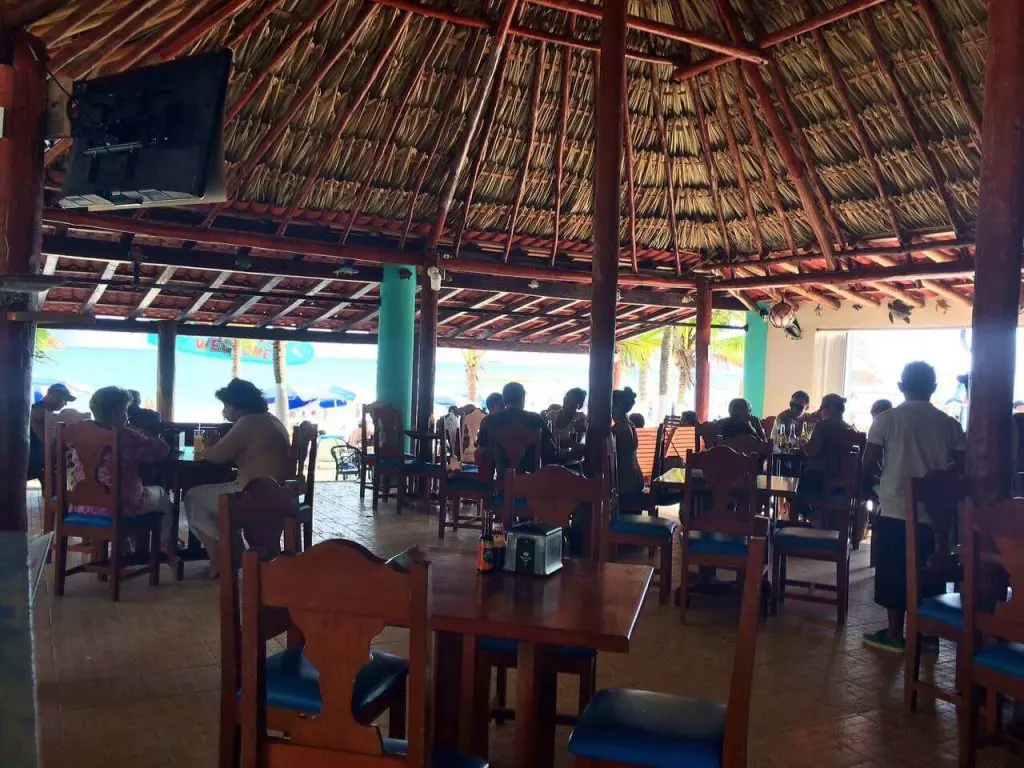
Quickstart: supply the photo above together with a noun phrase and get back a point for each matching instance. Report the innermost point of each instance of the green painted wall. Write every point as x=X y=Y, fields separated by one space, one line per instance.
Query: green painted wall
x=395 y=340
x=755 y=358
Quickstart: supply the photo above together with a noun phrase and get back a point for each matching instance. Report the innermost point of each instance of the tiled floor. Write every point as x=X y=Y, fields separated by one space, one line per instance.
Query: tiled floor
x=135 y=684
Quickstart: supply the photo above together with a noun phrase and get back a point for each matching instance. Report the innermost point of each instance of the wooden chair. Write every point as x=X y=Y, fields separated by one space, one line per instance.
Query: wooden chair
x=257 y=520
x=98 y=451
x=654 y=533
x=992 y=652
x=389 y=459
x=453 y=486
x=511 y=447
x=338 y=624
x=939 y=495
x=305 y=438
x=551 y=495
x=707 y=435
x=647 y=439
x=831 y=543
x=720 y=507
x=347 y=461
x=50 y=464
x=628 y=727
x=675 y=442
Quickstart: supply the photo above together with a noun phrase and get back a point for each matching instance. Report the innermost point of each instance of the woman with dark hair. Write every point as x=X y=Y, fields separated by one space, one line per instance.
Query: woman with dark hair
x=109 y=406
x=631 y=477
x=257 y=444
x=568 y=422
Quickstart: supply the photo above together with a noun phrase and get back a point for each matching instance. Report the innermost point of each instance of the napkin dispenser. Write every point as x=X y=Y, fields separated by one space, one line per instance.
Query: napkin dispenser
x=534 y=548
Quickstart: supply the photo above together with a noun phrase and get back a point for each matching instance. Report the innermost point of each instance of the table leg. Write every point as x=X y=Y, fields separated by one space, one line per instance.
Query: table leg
x=475 y=705
x=447 y=671
x=536 y=693
x=171 y=545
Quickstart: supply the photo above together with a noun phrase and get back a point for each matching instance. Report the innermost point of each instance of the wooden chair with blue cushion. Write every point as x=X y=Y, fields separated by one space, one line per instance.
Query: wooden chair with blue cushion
x=719 y=515
x=628 y=727
x=829 y=541
x=674 y=441
x=305 y=438
x=936 y=498
x=456 y=485
x=635 y=530
x=339 y=621
x=511 y=447
x=992 y=652
x=262 y=519
x=390 y=460
x=552 y=495
x=99 y=453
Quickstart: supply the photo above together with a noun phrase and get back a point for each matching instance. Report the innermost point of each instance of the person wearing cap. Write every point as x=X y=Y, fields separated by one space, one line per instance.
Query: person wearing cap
x=56 y=399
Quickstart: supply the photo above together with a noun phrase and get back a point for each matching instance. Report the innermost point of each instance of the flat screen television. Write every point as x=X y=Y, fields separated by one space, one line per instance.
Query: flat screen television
x=150 y=136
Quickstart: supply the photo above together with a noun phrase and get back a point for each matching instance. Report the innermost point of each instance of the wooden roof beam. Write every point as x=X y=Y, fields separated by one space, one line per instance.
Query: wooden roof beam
x=172 y=38
x=947 y=293
x=670 y=187
x=885 y=64
x=487 y=76
x=359 y=319
x=318 y=288
x=710 y=166
x=725 y=120
x=478 y=306
x=245 y=305
x=861 y=298
x=257 y=20
x=329 y=146
x=109 y=36
x=586 y=45
x=165 y=276
x=531 y=136
x=797 y=170
x=99 y=290
x=563 y=129
x=84 y=9
x=781 y=36
x=398 y=115
x=481 y=324
x=627 y=140
x=948 y=58
x=204 y=297
x=358 y=294
x=873 y=274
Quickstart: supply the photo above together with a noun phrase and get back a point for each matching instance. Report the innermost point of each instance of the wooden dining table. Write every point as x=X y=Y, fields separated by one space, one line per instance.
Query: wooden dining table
x=587 y=604
x=767 y=485
x=184 y=472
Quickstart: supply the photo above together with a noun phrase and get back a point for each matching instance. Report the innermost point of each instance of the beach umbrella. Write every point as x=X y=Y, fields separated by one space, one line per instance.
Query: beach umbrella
x=336 y=397
x=295 y=400
x=445 y=401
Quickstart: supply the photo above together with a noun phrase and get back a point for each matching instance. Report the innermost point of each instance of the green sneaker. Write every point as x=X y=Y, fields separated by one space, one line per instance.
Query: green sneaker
x=883 y=641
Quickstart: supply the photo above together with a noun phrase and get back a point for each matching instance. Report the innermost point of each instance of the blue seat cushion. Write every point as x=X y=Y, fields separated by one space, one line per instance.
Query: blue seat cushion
x=655 y=527
x=711 y=544
x=948 y=608
x=655 y=730
x=799 y=537
x=440 y=757
x=504 y=645
x=293 y=681
x=105 y=521
x=1005 y=658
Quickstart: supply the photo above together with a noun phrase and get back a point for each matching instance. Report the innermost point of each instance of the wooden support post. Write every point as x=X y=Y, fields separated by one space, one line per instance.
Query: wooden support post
x=23 y=104
x=167 y=337
x=607 y=207
x=702 y=365
x=426 y=359
x=998 y=255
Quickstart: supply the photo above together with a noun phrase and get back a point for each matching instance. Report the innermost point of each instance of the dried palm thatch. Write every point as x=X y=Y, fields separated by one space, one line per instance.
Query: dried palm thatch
x=349 y=114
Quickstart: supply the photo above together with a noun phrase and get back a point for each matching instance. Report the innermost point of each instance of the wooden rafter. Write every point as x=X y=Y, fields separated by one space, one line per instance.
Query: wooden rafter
x=489 y=70
x=710 y=166
x=725 y=120
x=948 y=58
x=99 y=290
x=563 y=129
x=164 y=277
x=244 y=305
x=358 y=294
x=797 y=171
x=257 y=20
x=536 y=86
x=888 y=68
x=670 y=187
x=857 y=298
x=586 y=45
x=781 y=36
x=176 y=36
x=107 y=36
x=318 y=288
x=84 y=9
x=484 y=303
x=398 y=115
x=853 y=118
x=329 y=146
x=898 y=273
x=218 y=281
x=627 y=140
x=439 y=133
x=766 y=166
x=483 y=323
x=483 y=145
x=283 y=52
x=359 y=319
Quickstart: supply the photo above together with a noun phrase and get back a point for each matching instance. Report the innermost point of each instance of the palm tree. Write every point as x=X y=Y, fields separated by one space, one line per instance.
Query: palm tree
x=724 y=348
x=45 y=342
x=281 y=390
x=236 y=359
x=474 y=362
x=635 y=354
x=667 y=339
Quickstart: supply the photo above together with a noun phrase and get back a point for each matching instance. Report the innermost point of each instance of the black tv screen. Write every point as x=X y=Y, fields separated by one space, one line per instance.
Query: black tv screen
x=150 y=136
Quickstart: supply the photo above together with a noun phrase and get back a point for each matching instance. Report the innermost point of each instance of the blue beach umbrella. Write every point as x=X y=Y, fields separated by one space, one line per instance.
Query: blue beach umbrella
x=295 y=400
x=445 y=401
x=336 y=397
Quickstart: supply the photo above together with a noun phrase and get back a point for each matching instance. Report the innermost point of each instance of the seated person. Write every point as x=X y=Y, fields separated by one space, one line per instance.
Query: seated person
x=631 y=476
x=689 y=419
x=740 y=421
x=823 y=458
x=54 y=401
x=513 y=396
x=257 y=443
x=143 y=418
x=637 y=420
x=569 y=423
x=794 y=416
x=494 y=403
x=109 y=406
x=880 y=406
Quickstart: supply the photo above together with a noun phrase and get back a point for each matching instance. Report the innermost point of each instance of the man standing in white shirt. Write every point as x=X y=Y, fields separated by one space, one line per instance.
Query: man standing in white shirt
x=907 y=442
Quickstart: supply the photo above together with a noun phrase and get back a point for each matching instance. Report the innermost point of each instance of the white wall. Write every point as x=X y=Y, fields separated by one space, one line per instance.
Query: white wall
x=791 y=364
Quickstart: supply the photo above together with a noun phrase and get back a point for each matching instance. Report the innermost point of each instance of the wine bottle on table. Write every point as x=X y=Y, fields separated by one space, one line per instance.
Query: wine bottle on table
x=485 y=547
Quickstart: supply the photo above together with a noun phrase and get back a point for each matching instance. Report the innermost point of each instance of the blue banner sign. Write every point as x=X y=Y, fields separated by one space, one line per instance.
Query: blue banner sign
x=296 y=352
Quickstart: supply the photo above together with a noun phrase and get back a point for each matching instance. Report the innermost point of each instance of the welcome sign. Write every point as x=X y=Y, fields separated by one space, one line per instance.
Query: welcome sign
x=296 y=353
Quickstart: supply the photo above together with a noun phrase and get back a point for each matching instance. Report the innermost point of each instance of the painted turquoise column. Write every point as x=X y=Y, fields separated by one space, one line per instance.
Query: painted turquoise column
x=755 y=358
x=395 y=339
